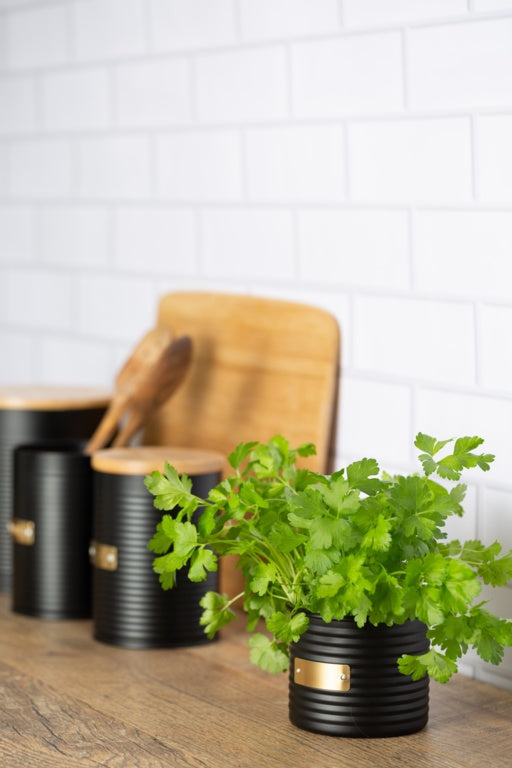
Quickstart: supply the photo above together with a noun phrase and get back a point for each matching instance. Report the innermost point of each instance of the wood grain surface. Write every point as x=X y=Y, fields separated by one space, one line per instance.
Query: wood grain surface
x=260 y=367
x=67 y=700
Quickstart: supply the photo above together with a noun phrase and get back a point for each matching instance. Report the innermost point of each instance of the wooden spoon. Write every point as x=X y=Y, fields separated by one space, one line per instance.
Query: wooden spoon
x=149 y=377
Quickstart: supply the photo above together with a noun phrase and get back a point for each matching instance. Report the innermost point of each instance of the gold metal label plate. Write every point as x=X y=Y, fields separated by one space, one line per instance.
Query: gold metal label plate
x=22 y=531
x=103 y=556
x=319 y=674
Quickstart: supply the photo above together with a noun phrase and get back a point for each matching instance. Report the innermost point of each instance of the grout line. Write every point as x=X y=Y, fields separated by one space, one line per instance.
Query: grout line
x=412 y=251
x=475 y=158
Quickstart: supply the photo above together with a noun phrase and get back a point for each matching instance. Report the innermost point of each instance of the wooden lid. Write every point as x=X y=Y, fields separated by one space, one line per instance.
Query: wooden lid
x=142 y=460
x=52 y=398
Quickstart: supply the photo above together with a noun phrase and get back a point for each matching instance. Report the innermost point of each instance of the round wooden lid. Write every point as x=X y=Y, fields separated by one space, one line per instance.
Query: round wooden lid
x=144 y=459
x=52 y=398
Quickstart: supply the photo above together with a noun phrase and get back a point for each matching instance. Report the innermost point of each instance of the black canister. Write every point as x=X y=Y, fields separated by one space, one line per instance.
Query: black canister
x=34 y=414
x=344 y=680
x=51 y=529
x=130 y=608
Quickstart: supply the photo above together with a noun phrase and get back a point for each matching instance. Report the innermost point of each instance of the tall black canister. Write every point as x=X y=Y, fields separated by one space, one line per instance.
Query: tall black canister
x=130 y=608
x=51 y=530
x=30 y=414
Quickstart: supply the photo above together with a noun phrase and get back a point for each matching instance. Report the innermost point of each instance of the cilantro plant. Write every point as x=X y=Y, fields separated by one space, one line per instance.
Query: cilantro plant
x=357 y=543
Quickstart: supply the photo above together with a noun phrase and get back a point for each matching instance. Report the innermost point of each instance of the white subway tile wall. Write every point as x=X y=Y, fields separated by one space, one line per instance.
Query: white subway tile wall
x=350 y=154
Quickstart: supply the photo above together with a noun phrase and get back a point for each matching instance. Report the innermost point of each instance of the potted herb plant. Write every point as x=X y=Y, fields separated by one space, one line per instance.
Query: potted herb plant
x=362 y=597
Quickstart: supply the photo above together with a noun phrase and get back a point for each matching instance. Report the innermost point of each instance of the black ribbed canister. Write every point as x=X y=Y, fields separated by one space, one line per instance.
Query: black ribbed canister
x=130 y=608
x=380 y=701
x=23 y=426
x=52 y=491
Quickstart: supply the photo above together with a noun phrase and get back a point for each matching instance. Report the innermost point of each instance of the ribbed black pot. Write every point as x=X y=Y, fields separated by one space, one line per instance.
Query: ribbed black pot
x=130 y=608
x=19 y=427
x=378 y=701
x=53 y=491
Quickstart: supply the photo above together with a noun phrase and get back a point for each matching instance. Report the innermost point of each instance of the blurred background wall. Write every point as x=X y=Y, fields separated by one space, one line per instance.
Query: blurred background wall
x=351 y=154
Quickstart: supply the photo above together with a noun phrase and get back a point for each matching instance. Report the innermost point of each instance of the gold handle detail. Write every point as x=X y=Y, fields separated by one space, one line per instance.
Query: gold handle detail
x=103 y=556
x=22 y=531
x=319 y=674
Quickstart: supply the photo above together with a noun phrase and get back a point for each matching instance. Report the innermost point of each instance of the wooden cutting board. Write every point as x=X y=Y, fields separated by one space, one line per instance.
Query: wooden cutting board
x=260 y=367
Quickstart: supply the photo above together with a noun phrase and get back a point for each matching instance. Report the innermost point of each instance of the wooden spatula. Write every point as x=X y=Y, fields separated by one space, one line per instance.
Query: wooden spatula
x=153 y=372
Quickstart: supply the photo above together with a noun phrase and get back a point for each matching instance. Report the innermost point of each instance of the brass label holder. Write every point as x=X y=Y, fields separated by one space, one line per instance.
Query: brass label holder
x=103 y=556
x=22 y=531
x=322 y=675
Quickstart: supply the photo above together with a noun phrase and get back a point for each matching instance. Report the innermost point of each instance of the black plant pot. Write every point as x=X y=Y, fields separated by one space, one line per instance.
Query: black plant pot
x=344 y=680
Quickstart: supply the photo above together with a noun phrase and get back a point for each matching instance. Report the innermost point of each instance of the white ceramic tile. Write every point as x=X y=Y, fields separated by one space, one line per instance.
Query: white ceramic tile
x=248 y=85
x=491 y=5
x=373 y=12
x=183 y=24
x=115 y=307
x=17 y=104
x=480 y=75
x=338 y=76
x=76 y=100
x=159 y=240
x=37 y=37
x=74 y=362
x=114 y=167
x=41 y=169
x=347 y=247
x=411 y=160
x=17 y=351
x=36 y=299
x=496 y=519
x=415 y=339
x=463 y=253
x=109 y=29
x=153 y=93
x=16 y=234
x=202 y=165
x=495 y=335
x=74 y=236
x=299 y=163
x=256 y=244
x=267 y=19
x=495 y=158
x=374 y=421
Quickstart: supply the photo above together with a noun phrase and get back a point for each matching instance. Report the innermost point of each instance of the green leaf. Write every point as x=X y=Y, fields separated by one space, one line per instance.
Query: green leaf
x=267 y=654
x=167 y=580
x=284 y=538
x=263 y=575
x=216 y=612
x=329 y=584
x=326 y=531
x=466 y=444
x=359 y=474
x=163 y=536
x=319 y=561
x=202 y=560
x=185 y=538
x=306 y=449
x=378 y=537
x=437 y=665
x=169 y=563
x=207 y=521
x=429 y=444
x=241 y=452
x=286 y=628
x=429 y=464
x=170 y=490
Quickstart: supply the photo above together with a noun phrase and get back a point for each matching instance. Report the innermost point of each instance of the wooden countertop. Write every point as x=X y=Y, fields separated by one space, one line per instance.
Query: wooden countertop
x=66 y=701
